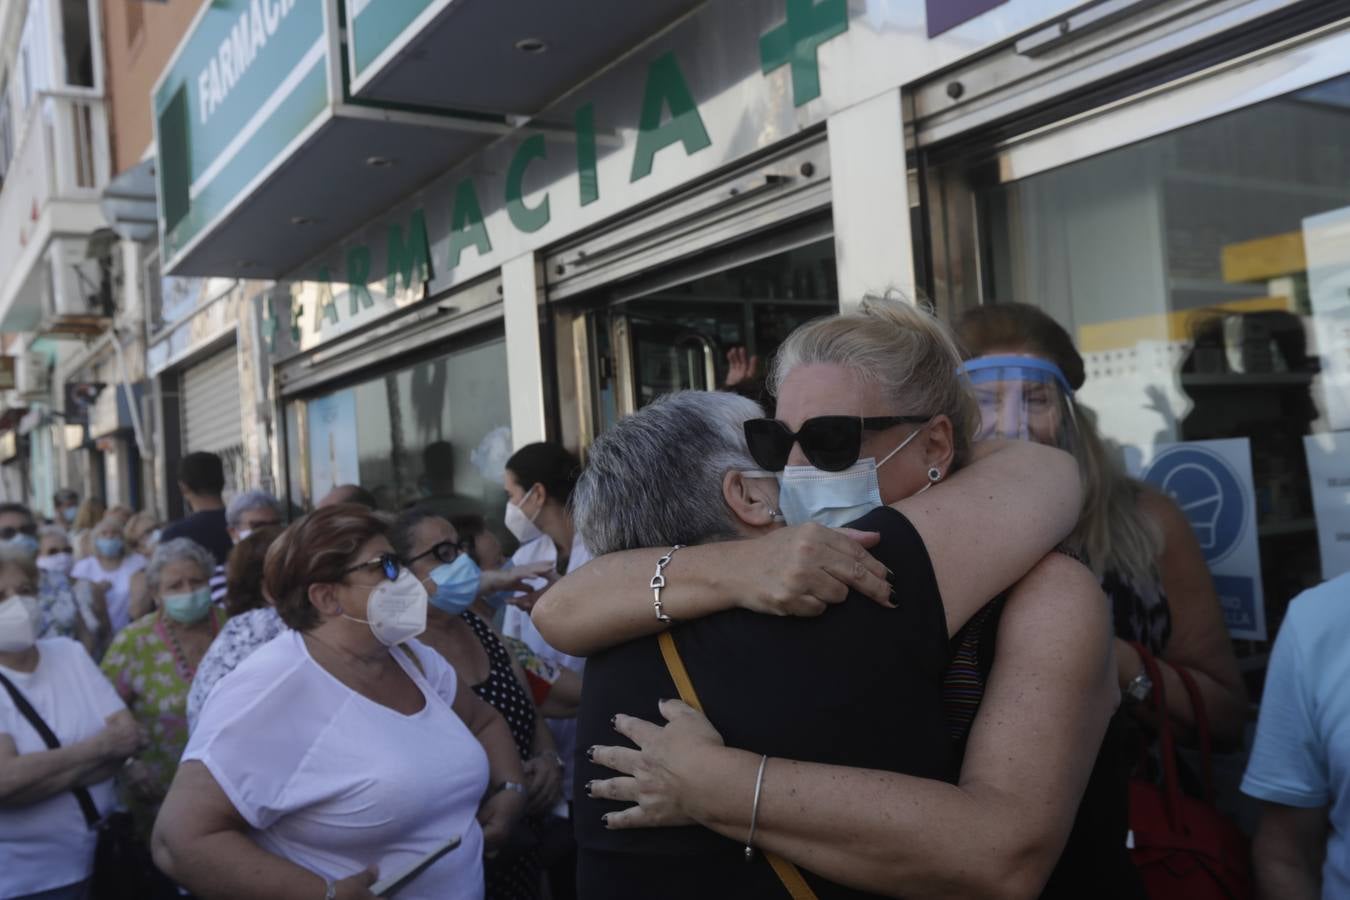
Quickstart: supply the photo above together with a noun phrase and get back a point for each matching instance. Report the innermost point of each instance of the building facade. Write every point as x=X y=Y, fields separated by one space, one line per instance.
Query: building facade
x=396 y=240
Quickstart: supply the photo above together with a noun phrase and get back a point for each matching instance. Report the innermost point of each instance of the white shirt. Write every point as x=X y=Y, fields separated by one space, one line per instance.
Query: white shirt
x=334 y=782
x=241 y=635
x=518 y=625
x=48 y=844
x=118 y=582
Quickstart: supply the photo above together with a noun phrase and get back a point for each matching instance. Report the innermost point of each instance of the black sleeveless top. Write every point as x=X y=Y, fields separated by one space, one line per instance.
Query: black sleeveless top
x=859 y=686
x=1096 y=862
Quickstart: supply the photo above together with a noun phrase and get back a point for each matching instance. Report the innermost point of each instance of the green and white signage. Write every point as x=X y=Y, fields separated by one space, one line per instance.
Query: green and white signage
x=248 y=82
x=378 y=29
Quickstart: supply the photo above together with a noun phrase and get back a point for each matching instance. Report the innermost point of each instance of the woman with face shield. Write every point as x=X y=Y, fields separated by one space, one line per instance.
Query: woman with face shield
x=1135 y=539
x=874 y=417
x=344 y=747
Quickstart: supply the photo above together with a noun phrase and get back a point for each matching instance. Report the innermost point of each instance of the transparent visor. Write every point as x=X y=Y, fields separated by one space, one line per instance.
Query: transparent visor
x=1023 y=398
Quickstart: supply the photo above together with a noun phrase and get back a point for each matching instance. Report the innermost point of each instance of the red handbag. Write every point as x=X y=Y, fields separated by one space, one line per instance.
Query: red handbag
x=1184 y=847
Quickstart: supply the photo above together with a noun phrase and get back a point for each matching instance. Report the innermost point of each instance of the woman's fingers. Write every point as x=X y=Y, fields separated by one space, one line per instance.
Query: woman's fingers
x=639 y=731
x=622 y=789
x=632 y=817
x=620 y=759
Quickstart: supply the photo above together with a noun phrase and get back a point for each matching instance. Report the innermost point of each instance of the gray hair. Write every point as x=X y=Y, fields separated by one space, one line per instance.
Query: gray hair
x=249 y=500
x=52 y=531
x=177 y=550
x=655 y=478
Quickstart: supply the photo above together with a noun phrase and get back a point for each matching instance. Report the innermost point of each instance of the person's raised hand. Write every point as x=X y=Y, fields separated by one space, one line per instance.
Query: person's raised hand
x=497 y=816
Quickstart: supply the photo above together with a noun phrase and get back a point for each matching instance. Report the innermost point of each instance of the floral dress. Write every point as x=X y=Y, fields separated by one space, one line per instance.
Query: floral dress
x=56 y=597
x=153 y=680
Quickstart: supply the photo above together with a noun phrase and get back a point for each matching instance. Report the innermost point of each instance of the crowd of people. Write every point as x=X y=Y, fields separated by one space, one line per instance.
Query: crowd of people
x=893 y=639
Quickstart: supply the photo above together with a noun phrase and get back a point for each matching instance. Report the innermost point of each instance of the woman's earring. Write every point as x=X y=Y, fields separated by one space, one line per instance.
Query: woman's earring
x=778 y=516
x=934 y=474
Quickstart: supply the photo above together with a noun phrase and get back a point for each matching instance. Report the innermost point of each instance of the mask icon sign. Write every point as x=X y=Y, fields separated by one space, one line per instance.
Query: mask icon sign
x=1208 y=491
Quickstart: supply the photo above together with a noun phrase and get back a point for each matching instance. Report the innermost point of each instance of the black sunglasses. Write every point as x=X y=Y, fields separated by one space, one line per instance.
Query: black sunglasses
x=387 y=563
x=8 y=533
x=831 y=443
x=445 y=552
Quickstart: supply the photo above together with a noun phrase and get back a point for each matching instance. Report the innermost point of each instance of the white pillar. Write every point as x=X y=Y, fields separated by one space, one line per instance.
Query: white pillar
x=522 y=294
x=873 y=247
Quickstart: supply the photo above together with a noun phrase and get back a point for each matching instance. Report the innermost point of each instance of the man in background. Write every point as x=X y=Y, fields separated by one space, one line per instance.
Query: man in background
x=201 y=479
x=67 y=504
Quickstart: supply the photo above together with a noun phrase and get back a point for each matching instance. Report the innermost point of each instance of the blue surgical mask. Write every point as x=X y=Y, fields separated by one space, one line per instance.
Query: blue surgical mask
x=456 y=585
x=69 y=514
x=109 y=546
x=25 y=542
x=807 y=494
x=190 y=607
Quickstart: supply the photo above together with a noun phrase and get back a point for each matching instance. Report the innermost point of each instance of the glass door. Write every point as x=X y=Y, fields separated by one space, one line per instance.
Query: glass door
x=1202 y=268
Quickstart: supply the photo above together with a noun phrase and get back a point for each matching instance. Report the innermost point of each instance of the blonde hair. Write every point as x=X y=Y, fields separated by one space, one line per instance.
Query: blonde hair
x=89 y=514
x=901 y=347
x=1113 y=532
x=137 y=527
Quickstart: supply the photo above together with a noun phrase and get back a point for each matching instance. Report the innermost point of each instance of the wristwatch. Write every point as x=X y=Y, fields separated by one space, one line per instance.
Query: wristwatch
x=512 y=786
x=1140 y=688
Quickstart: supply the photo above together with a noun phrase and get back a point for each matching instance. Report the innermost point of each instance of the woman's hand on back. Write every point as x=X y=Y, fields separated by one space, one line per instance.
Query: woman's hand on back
x=800 y=571
x=651 y=777
x=498 y=816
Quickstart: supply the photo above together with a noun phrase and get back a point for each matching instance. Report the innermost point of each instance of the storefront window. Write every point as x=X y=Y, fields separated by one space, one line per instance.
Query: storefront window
x=427 y=434
x=680 y=335
x=1204 y=275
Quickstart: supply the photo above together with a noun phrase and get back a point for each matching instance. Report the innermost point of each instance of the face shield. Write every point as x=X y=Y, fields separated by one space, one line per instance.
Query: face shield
x=1023 y=398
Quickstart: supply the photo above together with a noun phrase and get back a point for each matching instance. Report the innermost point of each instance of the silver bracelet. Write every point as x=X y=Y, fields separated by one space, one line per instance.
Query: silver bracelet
x=659 y=581
x=329 y=889
x=754 y=810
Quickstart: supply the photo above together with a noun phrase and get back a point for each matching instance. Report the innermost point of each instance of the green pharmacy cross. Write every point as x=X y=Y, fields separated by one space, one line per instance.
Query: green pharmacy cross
x=794 y=43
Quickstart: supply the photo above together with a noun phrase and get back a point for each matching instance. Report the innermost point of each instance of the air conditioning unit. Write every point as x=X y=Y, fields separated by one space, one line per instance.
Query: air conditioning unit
x=32 y=377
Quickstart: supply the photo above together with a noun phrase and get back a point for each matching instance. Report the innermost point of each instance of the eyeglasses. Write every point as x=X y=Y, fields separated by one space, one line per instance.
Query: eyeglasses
x=445 y=552
x=8 y=533
x=387 y=563
x=832 y=443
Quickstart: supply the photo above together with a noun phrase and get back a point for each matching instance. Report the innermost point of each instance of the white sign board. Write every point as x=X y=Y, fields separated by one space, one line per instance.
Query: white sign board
x=333 y=458
x=1329 y=473
x=1212 y=483
x=1326 y=240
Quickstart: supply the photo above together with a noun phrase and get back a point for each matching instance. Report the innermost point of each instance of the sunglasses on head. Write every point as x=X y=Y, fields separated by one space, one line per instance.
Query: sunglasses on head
x=445 y=552
x=831 y=443
x=387 y=564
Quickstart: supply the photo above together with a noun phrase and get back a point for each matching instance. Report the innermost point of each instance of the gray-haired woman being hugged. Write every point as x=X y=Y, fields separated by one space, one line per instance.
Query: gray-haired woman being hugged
x=874 y=421
x=151 y=663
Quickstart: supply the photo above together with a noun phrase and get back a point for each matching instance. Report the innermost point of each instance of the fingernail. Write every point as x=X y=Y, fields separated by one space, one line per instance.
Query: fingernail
x=890 y=578
x=613 y=721
x=894 y=603
x=590 y=753
x=604 y=820
x=588 y=788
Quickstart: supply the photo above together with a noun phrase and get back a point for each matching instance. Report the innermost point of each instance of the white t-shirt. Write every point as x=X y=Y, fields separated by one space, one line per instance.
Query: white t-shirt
x=118 y=582
x=48 y=844
x=517 y=624
x=334 y=782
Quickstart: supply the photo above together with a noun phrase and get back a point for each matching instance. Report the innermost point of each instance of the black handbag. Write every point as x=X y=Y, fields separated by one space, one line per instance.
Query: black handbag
x=123 y=869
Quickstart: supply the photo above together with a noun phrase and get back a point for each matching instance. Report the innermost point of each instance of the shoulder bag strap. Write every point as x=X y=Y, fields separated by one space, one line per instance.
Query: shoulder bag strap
x=1166 y=740
x=787 y=873
x=1202 y=730
x=91 y=816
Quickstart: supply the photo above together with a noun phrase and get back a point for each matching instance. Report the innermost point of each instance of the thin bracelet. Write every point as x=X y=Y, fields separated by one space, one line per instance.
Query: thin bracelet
x=659 y=581
x=754 y=810
x=329 y=889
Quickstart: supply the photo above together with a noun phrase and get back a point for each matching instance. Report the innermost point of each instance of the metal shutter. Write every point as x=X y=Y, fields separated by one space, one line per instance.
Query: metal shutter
x=212 y=419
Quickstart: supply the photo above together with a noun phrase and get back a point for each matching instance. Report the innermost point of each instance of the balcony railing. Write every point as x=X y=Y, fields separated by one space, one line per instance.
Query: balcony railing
x=60 y=165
